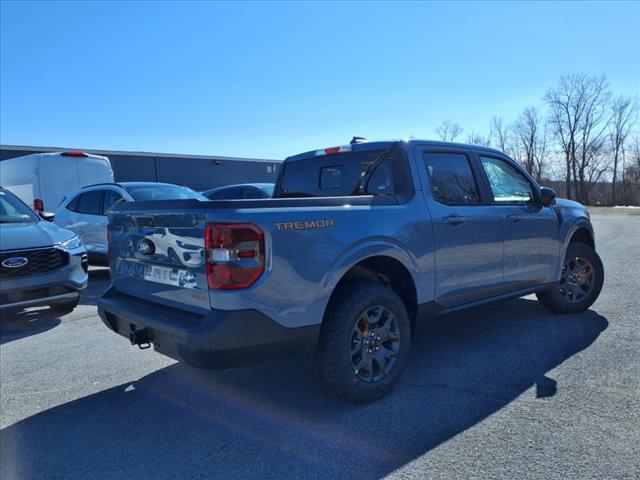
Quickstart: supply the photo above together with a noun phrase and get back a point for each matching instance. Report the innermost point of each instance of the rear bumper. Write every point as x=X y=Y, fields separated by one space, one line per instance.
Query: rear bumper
x=215 y=340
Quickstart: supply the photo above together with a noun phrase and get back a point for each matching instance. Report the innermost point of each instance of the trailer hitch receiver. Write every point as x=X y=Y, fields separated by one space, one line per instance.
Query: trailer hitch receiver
x=140 y=337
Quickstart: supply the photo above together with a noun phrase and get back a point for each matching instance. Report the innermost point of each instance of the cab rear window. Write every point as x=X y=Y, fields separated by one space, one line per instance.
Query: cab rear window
x=337 y=175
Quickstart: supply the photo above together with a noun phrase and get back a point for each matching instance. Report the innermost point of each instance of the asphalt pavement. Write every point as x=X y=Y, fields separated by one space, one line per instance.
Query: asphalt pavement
x=502 y=391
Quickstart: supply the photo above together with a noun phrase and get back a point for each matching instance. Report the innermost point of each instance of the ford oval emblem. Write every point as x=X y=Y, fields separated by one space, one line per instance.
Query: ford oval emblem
x=15 y=262
x=145 y=247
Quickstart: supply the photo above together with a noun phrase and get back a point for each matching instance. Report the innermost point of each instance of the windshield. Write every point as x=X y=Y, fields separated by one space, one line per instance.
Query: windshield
x=12 y=210
x=335 y=175
x=163 y=192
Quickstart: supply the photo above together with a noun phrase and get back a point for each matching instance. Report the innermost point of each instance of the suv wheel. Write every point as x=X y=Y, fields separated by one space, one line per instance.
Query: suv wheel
x=364 y=342
x=580 y=284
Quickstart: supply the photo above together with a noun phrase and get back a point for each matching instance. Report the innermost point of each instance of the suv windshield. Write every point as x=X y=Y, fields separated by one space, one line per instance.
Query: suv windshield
x=335 y=175
x=143 y=193
x=12 y=210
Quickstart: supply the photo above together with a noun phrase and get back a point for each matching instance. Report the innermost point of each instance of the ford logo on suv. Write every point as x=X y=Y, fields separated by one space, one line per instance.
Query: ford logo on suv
x=15 y=262
x=145 y=247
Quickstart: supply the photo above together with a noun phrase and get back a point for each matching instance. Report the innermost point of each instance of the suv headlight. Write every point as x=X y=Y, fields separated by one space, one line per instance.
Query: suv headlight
x=73 y=243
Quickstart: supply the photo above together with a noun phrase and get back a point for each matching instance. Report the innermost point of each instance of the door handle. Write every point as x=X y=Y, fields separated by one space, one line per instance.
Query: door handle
x=453 y=219
x=513 y=218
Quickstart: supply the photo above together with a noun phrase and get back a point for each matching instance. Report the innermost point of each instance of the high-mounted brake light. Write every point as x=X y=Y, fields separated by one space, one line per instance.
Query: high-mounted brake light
x=74 y=154
x=235 y=255
x=332 y=150
x=38 y=205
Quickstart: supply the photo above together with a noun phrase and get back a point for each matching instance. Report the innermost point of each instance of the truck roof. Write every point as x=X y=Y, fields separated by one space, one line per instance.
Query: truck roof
x=379 y=145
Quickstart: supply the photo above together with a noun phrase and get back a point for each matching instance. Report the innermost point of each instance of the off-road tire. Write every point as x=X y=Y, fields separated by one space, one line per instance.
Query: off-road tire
x=557 y=299
x=335 y=355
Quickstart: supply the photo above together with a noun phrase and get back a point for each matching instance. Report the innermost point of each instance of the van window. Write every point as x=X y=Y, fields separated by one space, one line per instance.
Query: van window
x=451 y=178
x=90 y=203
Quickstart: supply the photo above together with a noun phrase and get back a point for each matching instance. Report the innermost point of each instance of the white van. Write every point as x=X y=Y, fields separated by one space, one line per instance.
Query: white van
x=42 y=180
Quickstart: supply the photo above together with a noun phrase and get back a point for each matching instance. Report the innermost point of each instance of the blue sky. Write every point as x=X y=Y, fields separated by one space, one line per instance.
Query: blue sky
x=272 y=79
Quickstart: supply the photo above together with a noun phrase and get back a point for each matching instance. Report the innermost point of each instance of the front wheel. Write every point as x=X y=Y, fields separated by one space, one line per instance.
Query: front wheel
x=580 y=284
x=364 y=342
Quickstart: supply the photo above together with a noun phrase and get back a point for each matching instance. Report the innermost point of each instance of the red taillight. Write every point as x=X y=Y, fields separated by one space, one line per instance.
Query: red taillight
x=74 y=154
x=235 y=255
x=38 y=205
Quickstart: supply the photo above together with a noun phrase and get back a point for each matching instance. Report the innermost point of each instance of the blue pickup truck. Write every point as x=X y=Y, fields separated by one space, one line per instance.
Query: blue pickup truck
x=358 y=244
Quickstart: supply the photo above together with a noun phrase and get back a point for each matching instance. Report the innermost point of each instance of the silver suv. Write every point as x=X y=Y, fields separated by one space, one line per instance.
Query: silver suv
x=85 y=211
x=40 y=263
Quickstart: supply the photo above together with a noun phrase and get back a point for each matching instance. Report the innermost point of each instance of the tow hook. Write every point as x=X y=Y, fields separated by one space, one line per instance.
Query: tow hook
x=140 y=337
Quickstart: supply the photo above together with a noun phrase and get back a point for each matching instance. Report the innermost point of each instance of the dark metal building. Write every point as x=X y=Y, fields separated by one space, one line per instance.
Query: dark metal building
x=199 y=172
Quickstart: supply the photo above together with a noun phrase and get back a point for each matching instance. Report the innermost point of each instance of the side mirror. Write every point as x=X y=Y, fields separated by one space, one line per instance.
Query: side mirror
x=547 y=196
x=48 y=216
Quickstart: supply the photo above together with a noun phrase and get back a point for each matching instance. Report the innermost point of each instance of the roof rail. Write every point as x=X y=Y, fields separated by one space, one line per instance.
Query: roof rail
x=103 y=183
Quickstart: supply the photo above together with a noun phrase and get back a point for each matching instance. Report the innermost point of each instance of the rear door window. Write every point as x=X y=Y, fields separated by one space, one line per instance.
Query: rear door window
x=452 y=180
x=90 y=203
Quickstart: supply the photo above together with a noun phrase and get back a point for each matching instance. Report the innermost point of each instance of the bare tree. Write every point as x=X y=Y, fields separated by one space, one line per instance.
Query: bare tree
x=593 y=160
x=530 y=137
x=476 y=138
x=631 y=174
x=449 y=131
x=624 y=112
x=579 y=118
x=499 y=134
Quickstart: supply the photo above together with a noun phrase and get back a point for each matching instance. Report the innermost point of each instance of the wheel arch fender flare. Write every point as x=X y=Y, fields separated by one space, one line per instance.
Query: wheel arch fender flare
x=580 y=224
x=363 y=250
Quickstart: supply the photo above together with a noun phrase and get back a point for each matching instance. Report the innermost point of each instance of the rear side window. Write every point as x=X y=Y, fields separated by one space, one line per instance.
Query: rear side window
x=253 y=193
x=90 y=203
x=73 y=204
x=227 y=194
x=451 y=178
x=110 y=199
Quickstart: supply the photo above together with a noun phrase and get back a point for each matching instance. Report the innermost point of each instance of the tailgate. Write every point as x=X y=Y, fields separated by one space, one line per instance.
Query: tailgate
x=157 y=252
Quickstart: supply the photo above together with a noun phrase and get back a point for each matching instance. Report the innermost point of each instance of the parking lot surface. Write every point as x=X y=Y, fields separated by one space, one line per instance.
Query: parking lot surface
x=502 y=391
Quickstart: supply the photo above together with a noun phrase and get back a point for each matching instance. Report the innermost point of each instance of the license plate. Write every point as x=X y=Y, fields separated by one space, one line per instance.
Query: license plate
x=170 y=276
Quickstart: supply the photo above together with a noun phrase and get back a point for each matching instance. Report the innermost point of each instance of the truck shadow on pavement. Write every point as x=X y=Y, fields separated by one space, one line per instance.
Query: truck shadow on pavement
x=277 y=420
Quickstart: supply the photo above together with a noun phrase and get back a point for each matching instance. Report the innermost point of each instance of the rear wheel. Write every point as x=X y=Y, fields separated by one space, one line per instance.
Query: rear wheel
x=364 y=342
x=580 y=284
